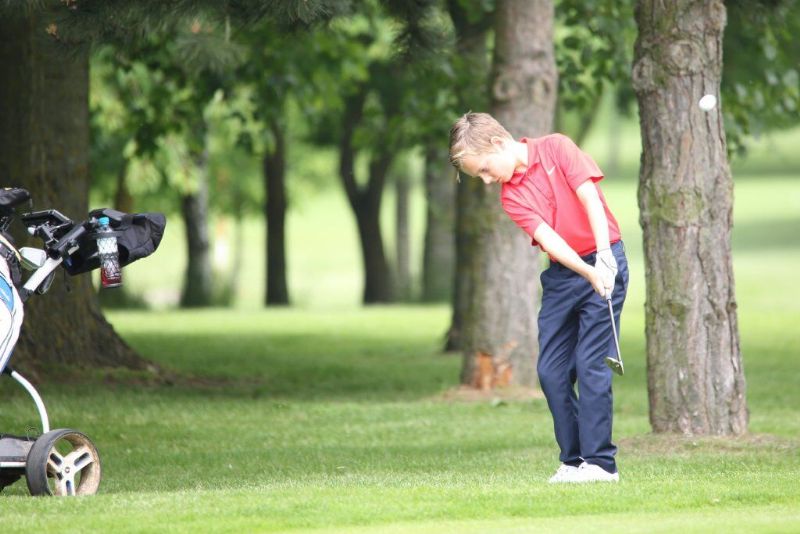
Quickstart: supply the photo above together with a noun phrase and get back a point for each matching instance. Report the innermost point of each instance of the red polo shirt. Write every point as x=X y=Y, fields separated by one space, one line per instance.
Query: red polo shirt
x=545 y=192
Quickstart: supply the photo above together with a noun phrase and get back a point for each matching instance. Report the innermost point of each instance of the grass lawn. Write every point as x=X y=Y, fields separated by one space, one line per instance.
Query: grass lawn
x=332 y=422
x=333 y=418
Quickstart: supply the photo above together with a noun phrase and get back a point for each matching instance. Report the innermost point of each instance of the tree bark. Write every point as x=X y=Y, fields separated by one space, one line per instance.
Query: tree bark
x=366 y=204
x=501 y=322
x=439 y=249
x=472 y=60
x=275 y=214
x=402 y=238
x=197 y=285
x=44 y=147
x=696 y=381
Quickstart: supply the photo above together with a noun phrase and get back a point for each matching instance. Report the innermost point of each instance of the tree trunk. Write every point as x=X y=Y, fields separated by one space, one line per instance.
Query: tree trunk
x=123 y=200
x=44 y=147
x=501 y=324
x=197 y=285
x=237 y=262
x=439 y=252
x=588 y=118
x=366 y=204
x=402 y=237
x=377 y=279
x=275 y=214
x=472 y=60
x=695 y=376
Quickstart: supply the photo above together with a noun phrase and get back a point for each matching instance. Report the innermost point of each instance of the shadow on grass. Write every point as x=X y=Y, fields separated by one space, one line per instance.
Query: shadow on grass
x=297 y=366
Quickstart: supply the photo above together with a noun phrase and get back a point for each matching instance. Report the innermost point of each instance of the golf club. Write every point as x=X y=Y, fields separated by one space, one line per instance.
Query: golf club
x=614 y=363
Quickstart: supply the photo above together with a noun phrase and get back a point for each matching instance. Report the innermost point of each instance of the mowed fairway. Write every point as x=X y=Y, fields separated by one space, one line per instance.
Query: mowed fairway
x=334 y=419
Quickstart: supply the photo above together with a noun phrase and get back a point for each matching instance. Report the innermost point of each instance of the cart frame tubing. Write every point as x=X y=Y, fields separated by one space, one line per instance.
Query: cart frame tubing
x=30 y=286
x=37 y=399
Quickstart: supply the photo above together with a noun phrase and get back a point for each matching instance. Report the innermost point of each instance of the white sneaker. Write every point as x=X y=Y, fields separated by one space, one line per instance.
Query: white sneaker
x=594 y=473
x=565 y=473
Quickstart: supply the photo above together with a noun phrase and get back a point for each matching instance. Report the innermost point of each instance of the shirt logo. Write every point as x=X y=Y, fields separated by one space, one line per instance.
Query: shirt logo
x=551 y=170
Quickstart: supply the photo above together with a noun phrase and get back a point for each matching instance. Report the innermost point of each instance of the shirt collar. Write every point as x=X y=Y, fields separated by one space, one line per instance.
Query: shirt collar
x=533 y=160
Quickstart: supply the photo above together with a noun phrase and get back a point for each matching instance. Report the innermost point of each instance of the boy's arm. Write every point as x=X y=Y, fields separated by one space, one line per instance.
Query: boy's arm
x=607 y=265
x=587 y=193
x=559 y=250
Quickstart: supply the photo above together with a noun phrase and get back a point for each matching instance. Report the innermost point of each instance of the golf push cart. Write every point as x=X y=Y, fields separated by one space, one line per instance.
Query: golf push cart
x=62 y=461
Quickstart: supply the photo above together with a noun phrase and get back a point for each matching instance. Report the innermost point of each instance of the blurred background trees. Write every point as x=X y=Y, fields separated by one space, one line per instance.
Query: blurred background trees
x=377 y=83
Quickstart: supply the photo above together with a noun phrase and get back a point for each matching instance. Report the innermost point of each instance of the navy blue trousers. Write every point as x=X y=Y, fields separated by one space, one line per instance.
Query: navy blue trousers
x=575 y=336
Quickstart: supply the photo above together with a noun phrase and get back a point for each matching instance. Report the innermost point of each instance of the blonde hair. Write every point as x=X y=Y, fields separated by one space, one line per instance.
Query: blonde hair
x=472 y=134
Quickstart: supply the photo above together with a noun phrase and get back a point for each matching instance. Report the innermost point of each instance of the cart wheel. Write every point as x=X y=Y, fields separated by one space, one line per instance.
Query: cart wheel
x=63 y=462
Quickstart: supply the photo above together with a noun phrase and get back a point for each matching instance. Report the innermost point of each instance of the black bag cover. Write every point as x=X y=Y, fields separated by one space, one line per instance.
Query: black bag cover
x=138 y=236
x=12 y=196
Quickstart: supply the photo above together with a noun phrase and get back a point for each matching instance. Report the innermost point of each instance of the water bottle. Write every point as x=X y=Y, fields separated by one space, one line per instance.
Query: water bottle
x=110 y=271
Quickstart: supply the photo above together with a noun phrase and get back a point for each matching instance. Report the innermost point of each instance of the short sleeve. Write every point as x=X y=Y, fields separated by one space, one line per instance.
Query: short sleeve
x=524 y=217
x=577 y=165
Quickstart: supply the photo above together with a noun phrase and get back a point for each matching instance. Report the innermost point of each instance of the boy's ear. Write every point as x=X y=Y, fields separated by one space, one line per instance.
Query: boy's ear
x=497 y=142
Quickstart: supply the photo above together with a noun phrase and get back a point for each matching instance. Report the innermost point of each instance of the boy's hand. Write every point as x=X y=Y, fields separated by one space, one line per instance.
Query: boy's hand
x=594 y=278
x=606 y=266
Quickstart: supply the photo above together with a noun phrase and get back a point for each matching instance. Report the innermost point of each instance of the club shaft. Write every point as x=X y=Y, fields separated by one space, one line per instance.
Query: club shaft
x=614 y=329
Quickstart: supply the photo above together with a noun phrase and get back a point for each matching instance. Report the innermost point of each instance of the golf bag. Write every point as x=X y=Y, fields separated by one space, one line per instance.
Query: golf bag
x=11 y=314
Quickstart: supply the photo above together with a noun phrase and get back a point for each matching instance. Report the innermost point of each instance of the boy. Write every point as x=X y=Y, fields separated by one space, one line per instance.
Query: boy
x=548 y=190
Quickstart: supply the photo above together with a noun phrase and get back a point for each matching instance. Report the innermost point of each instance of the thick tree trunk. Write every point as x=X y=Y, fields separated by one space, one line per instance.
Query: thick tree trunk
x=501 y=323
x=694 y=365
x=439 y=251
x=402 y=238
x=275 y=214
x=197 y=285
x=44 y=147
x=473 y=66
x=366 y=204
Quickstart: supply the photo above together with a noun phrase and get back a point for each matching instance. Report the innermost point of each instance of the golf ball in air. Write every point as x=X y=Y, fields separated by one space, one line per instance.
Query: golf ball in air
x=707 y=103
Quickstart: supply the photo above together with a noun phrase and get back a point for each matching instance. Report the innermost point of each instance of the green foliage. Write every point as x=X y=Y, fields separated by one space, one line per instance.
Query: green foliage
x=397 y=63
x=421 y=31
x=472 y=22
x=168 y=62
x=594 y=45
x=161 y=100
x=126 y=23
x=475 y=13
x=761 y=84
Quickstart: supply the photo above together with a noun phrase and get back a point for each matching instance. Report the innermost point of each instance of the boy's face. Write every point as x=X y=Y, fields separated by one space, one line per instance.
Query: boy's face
x=492 y=167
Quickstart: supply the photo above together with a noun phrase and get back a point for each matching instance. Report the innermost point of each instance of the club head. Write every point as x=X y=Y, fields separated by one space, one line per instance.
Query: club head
x=615 y=365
